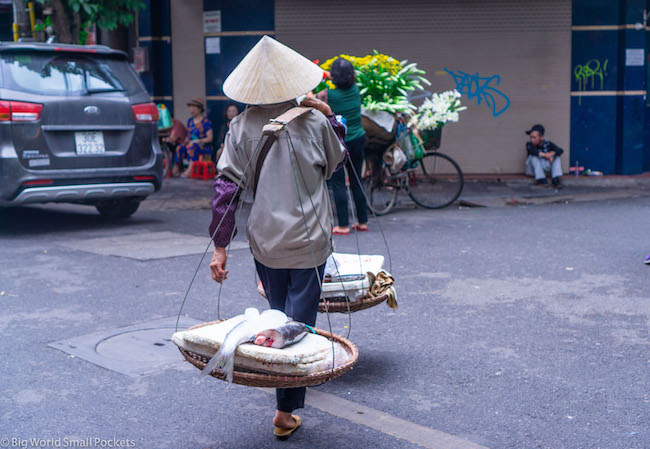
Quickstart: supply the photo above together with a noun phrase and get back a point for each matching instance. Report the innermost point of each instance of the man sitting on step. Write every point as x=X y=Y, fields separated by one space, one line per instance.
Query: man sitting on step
x=543 y=157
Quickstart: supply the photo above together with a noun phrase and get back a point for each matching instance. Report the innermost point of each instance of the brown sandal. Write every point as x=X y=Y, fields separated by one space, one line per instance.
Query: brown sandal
x=282 y=433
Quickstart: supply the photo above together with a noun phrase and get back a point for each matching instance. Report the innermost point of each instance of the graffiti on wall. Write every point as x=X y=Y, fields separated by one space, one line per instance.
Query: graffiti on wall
x=483 y=88
x=592 y=74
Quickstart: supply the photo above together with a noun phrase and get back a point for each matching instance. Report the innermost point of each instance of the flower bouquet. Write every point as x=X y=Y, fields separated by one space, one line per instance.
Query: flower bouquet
x=434 y=113
x=384 y=82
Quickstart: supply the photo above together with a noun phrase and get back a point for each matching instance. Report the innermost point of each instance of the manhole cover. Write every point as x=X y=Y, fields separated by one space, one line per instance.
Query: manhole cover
x=133 y=350
x=146 y=345
x=148 y=245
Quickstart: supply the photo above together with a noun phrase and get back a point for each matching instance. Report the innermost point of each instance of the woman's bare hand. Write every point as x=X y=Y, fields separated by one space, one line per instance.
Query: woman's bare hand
x=218 y=265
x=312 y=102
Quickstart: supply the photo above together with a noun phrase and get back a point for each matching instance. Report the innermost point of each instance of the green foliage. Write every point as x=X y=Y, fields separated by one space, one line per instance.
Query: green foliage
x=106 y=14
x=385 y=90
x=321 y=86
x=384 y=82
x=44 y=25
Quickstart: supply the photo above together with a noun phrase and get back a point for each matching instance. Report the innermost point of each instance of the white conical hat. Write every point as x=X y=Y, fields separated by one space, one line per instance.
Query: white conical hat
x=271 y=73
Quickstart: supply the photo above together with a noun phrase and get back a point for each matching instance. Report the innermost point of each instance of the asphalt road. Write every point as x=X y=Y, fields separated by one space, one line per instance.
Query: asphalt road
x=519 y=327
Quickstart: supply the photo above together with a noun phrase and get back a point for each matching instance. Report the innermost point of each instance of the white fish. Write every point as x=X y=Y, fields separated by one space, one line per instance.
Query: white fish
x=249 y=325
x=281 y=336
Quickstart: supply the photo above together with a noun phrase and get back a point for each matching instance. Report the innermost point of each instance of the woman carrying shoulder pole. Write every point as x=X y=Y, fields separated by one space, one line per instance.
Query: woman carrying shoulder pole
x=290 y=222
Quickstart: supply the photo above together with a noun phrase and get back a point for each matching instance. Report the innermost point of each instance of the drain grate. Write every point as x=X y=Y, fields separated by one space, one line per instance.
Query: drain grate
x=134 y=350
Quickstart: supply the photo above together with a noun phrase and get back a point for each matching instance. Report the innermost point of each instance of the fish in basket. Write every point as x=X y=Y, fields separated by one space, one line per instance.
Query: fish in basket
x=266 y=349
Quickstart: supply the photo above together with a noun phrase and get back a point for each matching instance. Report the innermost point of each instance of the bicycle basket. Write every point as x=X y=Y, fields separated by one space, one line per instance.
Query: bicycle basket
x=431 y=138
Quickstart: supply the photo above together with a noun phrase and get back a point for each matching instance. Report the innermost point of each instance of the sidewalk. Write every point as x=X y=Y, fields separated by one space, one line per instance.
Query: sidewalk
x=479 y=191
x=512 y=190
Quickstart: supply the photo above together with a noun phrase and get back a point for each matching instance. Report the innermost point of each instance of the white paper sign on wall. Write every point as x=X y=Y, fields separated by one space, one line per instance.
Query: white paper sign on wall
x=212 y=21
x=634 y=57
x=212 y=45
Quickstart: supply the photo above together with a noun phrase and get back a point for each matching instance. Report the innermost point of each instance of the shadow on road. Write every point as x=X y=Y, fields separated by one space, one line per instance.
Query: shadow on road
x=371 y=368
x=42 y=219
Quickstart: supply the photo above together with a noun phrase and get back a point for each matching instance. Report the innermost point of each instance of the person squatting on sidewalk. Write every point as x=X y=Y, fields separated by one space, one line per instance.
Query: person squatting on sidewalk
x=543 y=157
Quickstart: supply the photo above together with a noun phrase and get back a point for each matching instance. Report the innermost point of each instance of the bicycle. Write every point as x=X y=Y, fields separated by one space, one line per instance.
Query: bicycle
x=432 y=180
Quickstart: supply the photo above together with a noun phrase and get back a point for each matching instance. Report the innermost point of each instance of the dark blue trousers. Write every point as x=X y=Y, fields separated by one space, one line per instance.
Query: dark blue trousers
x=296 y=292
x=337 y=183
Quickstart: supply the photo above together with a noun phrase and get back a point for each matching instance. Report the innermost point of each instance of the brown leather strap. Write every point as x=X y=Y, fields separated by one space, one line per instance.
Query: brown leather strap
x=272 y=131
x=270 y=140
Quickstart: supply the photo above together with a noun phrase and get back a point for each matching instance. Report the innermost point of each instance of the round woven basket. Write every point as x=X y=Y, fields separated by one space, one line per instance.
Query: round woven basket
x=342 y=306
x=354 y=306
x=252 y=379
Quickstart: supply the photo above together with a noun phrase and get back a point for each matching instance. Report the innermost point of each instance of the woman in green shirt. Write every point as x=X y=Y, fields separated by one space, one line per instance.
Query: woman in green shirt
x=345 y=100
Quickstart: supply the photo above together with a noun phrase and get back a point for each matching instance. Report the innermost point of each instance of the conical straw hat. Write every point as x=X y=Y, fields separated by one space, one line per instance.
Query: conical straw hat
x=271 y=73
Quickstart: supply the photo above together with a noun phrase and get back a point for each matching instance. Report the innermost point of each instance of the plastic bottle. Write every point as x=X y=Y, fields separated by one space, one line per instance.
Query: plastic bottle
x=165 y=120
x=342 y=121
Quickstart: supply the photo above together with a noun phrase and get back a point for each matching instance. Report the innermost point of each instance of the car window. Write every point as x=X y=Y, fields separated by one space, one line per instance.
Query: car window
x=67 y=74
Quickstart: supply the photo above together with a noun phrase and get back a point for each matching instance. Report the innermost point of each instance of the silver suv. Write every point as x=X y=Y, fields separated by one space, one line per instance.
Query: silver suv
x=76 y=125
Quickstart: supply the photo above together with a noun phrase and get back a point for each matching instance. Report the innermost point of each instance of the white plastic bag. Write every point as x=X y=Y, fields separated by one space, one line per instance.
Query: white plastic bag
x=395 y=158
x=350 y=265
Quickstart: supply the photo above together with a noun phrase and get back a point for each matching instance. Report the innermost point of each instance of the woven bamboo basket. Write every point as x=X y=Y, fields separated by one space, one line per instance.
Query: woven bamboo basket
x=342 y=306
x=252 y=379
x=354 y=306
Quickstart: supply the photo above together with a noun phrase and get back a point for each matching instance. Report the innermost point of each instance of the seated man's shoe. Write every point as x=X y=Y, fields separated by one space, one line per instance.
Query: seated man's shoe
x=541 y=182
x=647 y=260
x=556 y=183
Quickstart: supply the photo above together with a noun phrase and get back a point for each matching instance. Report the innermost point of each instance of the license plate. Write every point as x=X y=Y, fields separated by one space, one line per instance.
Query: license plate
x=89 y=142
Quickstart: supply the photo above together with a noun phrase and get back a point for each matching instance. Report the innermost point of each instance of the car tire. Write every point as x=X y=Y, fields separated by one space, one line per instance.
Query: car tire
x=121 y=208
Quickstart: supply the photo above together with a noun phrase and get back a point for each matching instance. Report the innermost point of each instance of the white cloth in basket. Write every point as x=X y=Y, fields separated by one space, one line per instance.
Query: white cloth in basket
x=350 y=264
x=382 y=118
x=310 y=355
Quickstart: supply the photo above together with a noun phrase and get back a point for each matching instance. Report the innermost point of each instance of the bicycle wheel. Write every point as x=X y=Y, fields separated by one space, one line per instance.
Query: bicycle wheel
x=381 y=191
x=435 y=181
x=167 y=152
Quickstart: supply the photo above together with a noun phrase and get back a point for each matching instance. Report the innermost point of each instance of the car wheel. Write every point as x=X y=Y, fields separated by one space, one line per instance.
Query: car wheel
x=122 y=208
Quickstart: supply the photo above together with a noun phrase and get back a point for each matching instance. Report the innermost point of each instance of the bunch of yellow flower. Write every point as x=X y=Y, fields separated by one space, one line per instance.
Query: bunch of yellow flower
x=379 y=60
x=327 y=65
x=383 y=81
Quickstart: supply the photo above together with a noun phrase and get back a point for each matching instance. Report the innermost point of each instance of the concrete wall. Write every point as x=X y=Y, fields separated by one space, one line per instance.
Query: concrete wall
x=512 y=51
x=188 y=59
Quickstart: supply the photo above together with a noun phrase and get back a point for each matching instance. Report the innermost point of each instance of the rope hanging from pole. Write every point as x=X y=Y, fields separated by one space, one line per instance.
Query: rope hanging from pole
x=271 y=132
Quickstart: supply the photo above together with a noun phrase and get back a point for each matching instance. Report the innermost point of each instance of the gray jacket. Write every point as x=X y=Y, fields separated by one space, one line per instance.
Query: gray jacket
x=291 y=183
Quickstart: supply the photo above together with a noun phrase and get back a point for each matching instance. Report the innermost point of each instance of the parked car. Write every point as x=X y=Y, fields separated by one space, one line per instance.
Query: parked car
x=77 y=126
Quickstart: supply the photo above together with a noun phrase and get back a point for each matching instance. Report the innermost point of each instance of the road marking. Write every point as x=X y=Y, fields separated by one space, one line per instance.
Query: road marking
x=383 y=422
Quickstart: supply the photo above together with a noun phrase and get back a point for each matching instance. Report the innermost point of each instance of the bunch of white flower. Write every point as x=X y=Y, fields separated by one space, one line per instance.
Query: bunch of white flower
x=438 y=110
